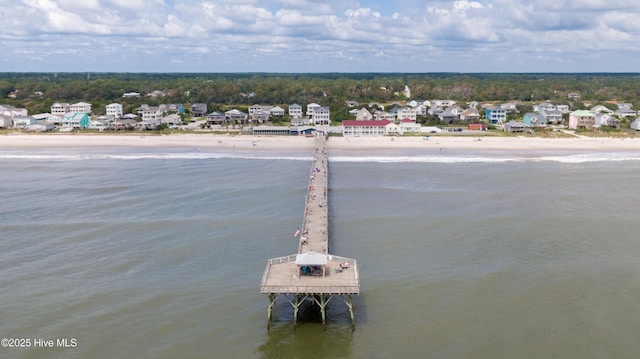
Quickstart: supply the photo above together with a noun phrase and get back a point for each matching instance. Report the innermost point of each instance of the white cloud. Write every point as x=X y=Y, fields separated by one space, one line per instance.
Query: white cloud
x=289 y=34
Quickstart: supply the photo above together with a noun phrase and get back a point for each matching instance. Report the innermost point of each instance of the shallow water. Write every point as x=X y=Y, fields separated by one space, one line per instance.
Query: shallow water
x=159 y=254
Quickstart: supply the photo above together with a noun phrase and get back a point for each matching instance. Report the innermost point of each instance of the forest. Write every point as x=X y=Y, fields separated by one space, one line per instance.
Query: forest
x=221 y=91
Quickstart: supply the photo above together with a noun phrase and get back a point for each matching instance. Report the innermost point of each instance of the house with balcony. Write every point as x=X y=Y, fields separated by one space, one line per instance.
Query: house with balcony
x=199 y=109
x=76 y=120
x=321 y=116
x=382 y=115
x=259 y=109
x=311 y=108
x=81 y=107
x=150 y=113
x=114 y=109
x=470 y=115
x=400 y=113
x=581 y=119
x=60 y=109
x=407 y=125
x=276 y=111
x=353 y=128
x=496 y=115
x=295 y=111
x=533 y=119
x=12 y=111
x=216 y=118
x=236 y=117
x=606 y=120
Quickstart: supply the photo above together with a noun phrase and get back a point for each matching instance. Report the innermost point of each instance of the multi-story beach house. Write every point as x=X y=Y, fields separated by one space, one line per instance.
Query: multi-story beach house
x=60 y=109
x=533 y=119
x=295 y=110
x=236 y=116
x=216 y=118
x=12 y=111
x=581 y=119
x=496 y=115
x=199 y=109
x=76 y=120
x=311 y=108
x=400 y=113
x=321 y=116
x=353 y=128
x=276 y=111
x=150 y=113
x=259 y=109
x=81 y=107
x=114 y=109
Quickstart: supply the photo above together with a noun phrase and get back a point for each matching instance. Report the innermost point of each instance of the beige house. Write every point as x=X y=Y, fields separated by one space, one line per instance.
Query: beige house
x=581 y=119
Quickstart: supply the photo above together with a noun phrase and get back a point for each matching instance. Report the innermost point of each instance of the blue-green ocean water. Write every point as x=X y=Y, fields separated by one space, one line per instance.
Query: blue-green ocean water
x=159 y=254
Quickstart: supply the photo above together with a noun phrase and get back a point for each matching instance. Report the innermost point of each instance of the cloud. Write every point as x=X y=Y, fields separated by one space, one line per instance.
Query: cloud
x=301 y=35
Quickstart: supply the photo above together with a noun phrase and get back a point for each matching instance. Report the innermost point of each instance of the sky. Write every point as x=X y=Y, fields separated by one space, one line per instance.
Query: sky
x=292 y=36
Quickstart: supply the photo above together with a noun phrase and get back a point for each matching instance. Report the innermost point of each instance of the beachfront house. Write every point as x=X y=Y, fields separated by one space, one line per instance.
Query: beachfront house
x=606 y=120
x=259 y=109
x=76 y=120
x=216 y=118
x=236 y=117
x=496 y=115
x=581 y=119
x=533 y=119
x=407 y=125
x=6 y=121
x=515 y=126
x=635 y=125
x=321 y=116
x=353 y=128
x=150 y=113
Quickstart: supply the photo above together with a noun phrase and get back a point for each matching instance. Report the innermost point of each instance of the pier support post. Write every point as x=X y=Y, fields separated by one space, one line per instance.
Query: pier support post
x=272 y=302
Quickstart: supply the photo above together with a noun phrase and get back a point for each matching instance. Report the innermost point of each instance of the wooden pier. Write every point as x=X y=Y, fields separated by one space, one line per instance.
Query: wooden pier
x=313 y=273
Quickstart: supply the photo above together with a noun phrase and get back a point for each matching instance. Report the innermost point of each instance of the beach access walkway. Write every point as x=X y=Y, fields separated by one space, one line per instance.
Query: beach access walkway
x=313 y=273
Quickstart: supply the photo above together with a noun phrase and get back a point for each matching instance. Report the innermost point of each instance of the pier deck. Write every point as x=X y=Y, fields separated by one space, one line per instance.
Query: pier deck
x=338 y=276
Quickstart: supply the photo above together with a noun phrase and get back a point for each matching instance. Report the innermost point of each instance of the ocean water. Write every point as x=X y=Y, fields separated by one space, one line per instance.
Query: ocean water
x=159 y=253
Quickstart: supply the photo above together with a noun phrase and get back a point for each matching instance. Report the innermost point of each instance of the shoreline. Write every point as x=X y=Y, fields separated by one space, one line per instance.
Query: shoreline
x=264 y=142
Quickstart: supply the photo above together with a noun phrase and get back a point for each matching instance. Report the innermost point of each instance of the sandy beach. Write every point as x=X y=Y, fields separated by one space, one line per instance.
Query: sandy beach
x=211 y=141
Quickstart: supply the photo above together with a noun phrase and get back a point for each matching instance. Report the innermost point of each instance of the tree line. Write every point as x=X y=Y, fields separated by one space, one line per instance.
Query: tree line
x=221 y=91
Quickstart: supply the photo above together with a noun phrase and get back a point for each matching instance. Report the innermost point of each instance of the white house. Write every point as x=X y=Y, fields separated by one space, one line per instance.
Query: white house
x=11 y=111
x=259 y=109
x=276 y=111
x=404 y=112
x=114 y=109
x=311 y=108
x=81 y=107
x=635 y=125
x=353 y=128
x=407 y=125
x=321 y=116
x=295 y=110
x=150 y=113
x=60 y=109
